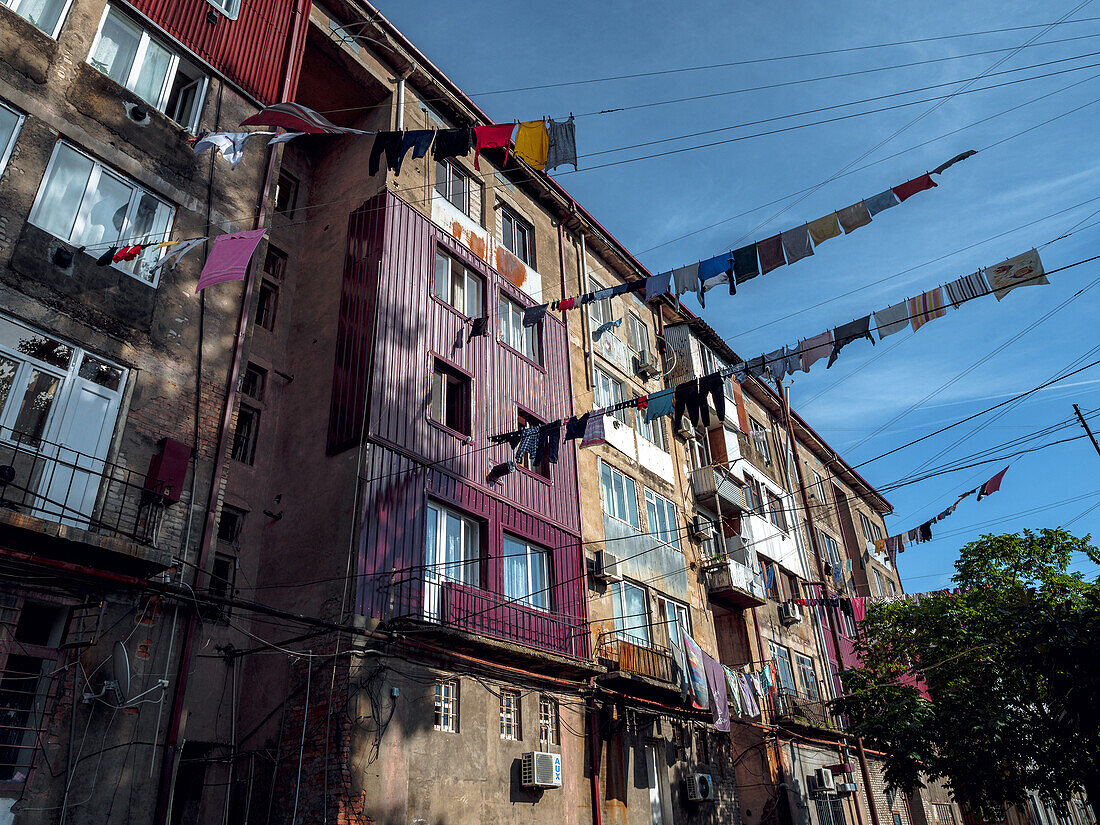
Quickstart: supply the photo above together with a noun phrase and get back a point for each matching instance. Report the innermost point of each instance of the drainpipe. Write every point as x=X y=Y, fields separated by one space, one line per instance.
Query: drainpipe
x=594 y=758
x=587 y=317
x=400 y=104
x=866 y=780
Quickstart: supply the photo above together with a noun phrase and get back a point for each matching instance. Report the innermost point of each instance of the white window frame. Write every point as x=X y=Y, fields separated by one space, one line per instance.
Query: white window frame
x=459 y=277
x=616 y=481
x=599 y=312
x=880 y=585
x=549 y=723
x=98 y=170
x=453 y=171
x=760 y=434
x=537 y=598
x=511 y=715
x=656 y=507
x=819 y=483
x=518 y=225
x=230 y=8
x=527 y=341
x=466 y=570
x=16 y=5
x=634 y=629
x=806 y=675
x=776 y=509
x=609 y=391
x=446 y=706
x=637 y=334
x=781 y=656
x=830 y=547
x=9 y=147
x=652 y=431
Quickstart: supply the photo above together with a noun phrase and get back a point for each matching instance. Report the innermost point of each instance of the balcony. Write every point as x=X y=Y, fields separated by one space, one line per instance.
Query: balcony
x=635 y=658
x=801 y=710
x=732 y=584
x=58 y=502
x=717 y=489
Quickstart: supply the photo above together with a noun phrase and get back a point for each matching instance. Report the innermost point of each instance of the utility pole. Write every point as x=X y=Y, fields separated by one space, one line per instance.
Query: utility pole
x=1085 y=424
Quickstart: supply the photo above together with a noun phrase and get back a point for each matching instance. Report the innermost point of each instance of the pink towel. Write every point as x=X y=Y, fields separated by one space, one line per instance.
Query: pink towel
x=229 y=257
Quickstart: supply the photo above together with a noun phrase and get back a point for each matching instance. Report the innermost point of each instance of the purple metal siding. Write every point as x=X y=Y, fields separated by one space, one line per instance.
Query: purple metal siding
x=251 y=50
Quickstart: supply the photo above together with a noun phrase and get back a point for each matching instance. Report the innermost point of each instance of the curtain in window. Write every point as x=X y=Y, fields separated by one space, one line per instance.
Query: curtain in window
x=56 y=212
x=515 y=570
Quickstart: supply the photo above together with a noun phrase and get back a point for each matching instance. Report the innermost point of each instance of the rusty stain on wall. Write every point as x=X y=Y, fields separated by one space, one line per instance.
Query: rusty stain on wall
x=511 y=267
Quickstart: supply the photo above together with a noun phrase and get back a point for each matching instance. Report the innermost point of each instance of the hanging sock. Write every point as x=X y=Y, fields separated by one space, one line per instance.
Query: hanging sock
x=824 y=228
x=846 y=333
x=229 y=257
x=562 y=143
x=419 y=140
x=966 y=289
x=926 y=307
x=881 y=202
x=853 y=217
x=533 y=143
x=770 y=251
x=132 y=253
x=745 y=265
x=498 y=136
x=812 y=350
x=120 y=254
x=796 y=243
x=390 y=143
x=452 y=143
x=909 y=188
x=1023 y=270
x=892 y=319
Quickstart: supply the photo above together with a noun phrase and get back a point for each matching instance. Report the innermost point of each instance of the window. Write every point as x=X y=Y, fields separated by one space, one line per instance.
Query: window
x=677 y=619
x=84 y=203
x=620 y=495
x=26 y=669
x=830 y=810
x=230 y=8
x=525 y=421
x=871 y=531
x=830 y=548
x=807 y=678
x=524 y=340
x=880 y=587
x=517 y=236
x=10 y=123
x=599 y=312
x=130 y=56
x=892 y=586
x=223 y=578
x=446 y=706
x=458 y=286
x=754 y=496
x=896 y=817
x=450 y=401
x=526 y=573
x=652 y=431
x=776 y=512
x=548 y=723
x=46 y=15
x=510 y=727
x=275 y=262
x=944 y=814
x=340 y=32
x=245 y=435
x=638 y=334
x=453 y=545
x=631 y=613
x=760 y=439
x=819 y=485
x=782 y=659
x=230 y=524
x=772 y=580
x=609 y=391
x=286 y=194
x=266 y=303
x=453 y=185
x=661 y=514
x=253 y=382
x=848 y=624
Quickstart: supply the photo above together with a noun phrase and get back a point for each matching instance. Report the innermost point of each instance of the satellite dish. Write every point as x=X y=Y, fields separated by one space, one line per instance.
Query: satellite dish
x=120 y=672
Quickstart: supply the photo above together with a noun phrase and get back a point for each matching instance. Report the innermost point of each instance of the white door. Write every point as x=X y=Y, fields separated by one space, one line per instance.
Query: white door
x=656 y=809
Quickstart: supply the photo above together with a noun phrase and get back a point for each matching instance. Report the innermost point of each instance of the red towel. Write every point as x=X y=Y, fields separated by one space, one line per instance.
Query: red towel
x=910 y=188
x=494 y=137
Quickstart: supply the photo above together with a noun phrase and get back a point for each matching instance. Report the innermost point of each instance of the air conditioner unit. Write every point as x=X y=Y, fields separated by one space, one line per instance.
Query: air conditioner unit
x=790 y=613
x=700 y=787
x=684 y=429
x=846 y=788
x=541 y=770
x=823 y=780
x=702 y=528
x=607 y=567
x=646 y=366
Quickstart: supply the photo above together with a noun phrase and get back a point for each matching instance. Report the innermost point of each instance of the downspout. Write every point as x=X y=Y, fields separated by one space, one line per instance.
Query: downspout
x=300 y=19
x=400 y=116
x=583 y=279
x=866 y=780
x=594 y=759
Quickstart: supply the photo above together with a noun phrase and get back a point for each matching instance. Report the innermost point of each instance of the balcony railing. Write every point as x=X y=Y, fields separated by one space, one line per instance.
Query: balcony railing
x=55 y=483
x=733 y=584
x=636 y=657
x=798 y=708
x=716 y=489
x=419 y=597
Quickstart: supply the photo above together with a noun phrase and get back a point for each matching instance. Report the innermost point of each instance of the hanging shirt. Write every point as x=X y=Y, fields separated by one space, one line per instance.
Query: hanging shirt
x=926 y=307
x=796 y=243
x=660 y=404
x=686 y=278
x=748 y=701
x=498 y=136
x=770 y=251
x=909 y=188
x=745 y=265
x=230 y=144
x=1023 y=270
x=657 y=285
x=419 y=140
x=479 y=326
x=777 y=363
x=892 y=319
x=824 y=228
x=993 y=485
x=562 y=143
x=881 y=202
x=733 y=689
x=966 y=289
x=229 y=257
x=567 y=304
x=528 y=444
x=575 y=427
x=846 y=333
x=720 y=266
x=532 y=315
x=533 y=143
x=390 y=143
x=452 y=143
x=854 y=216
x=757 y=367
x=716 y=685
x=925 y=531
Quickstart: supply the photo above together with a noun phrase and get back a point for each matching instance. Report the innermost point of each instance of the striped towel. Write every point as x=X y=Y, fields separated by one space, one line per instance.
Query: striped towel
x=966 y=288
x=298 y=118
x=926 y=307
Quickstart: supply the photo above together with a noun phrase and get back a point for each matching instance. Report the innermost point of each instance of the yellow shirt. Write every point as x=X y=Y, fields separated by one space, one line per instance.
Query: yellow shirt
x=533 y=143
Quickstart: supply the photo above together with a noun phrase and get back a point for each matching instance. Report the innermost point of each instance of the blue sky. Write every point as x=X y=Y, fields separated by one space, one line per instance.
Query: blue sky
x=1024 y=192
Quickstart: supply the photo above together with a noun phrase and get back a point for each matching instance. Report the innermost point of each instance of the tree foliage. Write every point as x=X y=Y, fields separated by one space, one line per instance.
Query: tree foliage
x=1011 y=663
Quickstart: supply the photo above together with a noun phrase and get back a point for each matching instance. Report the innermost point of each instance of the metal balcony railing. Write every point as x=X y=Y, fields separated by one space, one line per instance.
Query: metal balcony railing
x=733 y=583
x=716 y=482
x=636 y=657
x=55 y=483
x=799 y=708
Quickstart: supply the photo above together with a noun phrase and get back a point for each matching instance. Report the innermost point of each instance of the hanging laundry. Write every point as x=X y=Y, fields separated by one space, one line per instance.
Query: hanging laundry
x=567 y=304
x=716 y=270
x=230 y=144
x=164 y=245
x=846 y=333
x=909 y=188
x=593 y=430
x=533 y=315
x=1023 y=270
x=859 y=608
x=796 y=243
x=625 y=288
x=913 y=536
x=686 y=400
x=716 y=688
x=697 y=676
x=714 y=386
x=757 y=367
x=602 y=328
x=812 y=350
x=229 y=257
x=528 y=444
x=419 y=140
x=686 y=278
x=824 y=228
x=925 y=531
x=563 y=143
x=660 y=404
x=533 y=143
x=177 y=254
x=892 y=319
x=748 y=700
x=777 y=363
x=452 y=143
x=745 y=265
x=479 y=326
x=298 y=118
x=881 y=202
x=926 y=307
x=939 y=170
x=575 y=427
x=657 y=285
x=389 y=143
x=853 y=217
x=966 y=288
x=498 y=136
x=283 y=138
x=125 y=253
x=549 y=443
x=107 y=257
x=992 y=486
x=733 y=689
x=794 y=361
x=740 y=372
x=770 y=251
x=602 y=294
x=880 y=546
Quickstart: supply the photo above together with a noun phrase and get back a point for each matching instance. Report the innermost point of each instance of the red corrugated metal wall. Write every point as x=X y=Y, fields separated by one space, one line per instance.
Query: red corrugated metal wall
x=251 y=50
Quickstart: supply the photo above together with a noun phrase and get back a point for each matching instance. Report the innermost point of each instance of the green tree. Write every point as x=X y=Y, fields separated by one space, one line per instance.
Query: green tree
x=1012 y=665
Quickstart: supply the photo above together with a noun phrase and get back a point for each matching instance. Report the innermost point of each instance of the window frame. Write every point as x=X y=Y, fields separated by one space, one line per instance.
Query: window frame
x=80 y=218
x=625 y=627
x=759 y=435
x=294 y=187
x=659 y=502
x=806 y=677
x=446 y=706
x=525 y=420
x=453 y=171
x=20 y=118
x=469 y=566
x=637 y=334
x=253 y=436
x=819 y=484
x=599 y=312
x=614 y=474
x=514 y=335
x=530 y=551
x=782 y=656
x=549 y=722
x=467 y=276
x=511 y=716
x=66 y=7
x=608 y=391
x=239 y=516
x=253 y=381
x=518 y=225
x=652 y=431
x=459 y=377
x=230 y=15
x=776 y=511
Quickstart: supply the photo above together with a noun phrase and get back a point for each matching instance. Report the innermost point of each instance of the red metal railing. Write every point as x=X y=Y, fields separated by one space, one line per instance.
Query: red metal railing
x=643 y=659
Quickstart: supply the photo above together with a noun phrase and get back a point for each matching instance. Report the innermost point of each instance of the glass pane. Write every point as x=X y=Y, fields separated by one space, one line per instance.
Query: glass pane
x=62 y=192
x=474 y=302
x=153 y=73
x=98 y=372
x=37 y=403
x=540 y=579
x=8 y=121
x=441 y=179
x=605 y=488
x=34 y=345
x=471 y=553
x=430 y=540
x=7 y=376
x=452 y=548
x=107 y=217
x=442 y=275
x=118 y=44
x=150 y=224
x=514 y=564
x=635 y=625
x=458 y=191
x=620 y=496
x=631 y=502
x=44 y=14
